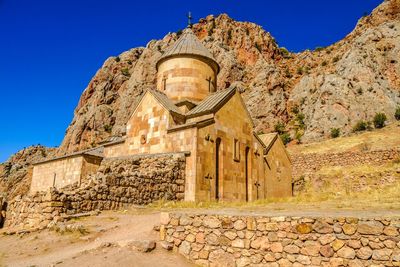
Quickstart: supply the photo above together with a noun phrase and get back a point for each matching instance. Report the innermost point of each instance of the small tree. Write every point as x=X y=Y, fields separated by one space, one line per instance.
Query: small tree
x=360 y=126
x=397 y=114
x=335 y=132
x=379 y=120
x=280 y=127
x=286 y=138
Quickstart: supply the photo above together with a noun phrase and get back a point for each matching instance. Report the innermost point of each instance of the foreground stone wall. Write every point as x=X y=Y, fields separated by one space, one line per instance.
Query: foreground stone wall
x=221 y=240
x=307 y=164
x=119 y=182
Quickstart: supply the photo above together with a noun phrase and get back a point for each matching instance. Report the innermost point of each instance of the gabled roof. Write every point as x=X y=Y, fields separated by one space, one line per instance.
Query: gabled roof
x=188 y=44
x=211 y=103
x=163 y=100
x=268 y=139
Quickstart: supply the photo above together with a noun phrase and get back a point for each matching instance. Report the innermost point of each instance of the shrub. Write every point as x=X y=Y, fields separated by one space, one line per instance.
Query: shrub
x=360 y=91
x=397 y=114
x=335 y=132
x=298 y=136
x=324 y=63
x=287 y=73
x=335 y=59
x=125 y=72
x=300 y=70
x=280 y=127
x=107 y=128
x=295 y=109
x=258 y=47
x=285 y=137
x=300 y=119
x=229 y=34
x=319 y=48
x=379 y=120
x=117 y=59
x=360 y=126
x=284 y=51
x=179 y=33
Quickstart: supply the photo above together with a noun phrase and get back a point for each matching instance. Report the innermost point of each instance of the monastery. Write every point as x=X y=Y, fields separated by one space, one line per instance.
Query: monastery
x=225 y=159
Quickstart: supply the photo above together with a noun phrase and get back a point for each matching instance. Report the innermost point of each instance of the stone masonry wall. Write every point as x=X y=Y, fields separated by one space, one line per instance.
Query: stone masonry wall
x=248 y=240
x=307 y=164
x=119 y=182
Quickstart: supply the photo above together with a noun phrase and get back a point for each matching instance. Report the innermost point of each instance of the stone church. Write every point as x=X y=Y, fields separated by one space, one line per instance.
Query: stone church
x=225 y=159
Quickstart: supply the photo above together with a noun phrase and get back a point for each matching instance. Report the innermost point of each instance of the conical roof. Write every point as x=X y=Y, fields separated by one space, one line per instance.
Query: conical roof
x=189 y=44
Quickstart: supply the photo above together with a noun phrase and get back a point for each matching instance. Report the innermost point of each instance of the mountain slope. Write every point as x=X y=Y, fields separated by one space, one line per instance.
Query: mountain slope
x=332 y=87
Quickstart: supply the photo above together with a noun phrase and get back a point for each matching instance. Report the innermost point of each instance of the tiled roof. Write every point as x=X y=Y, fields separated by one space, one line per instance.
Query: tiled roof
x=212 y=102
x=188 y=44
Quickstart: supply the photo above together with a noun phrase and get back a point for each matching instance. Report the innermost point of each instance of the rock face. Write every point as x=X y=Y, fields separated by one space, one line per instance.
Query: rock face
x=332 y=87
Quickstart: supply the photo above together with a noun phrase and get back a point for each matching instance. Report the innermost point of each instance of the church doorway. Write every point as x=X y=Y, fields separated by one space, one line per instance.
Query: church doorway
x=247 y=172
x=217 y=166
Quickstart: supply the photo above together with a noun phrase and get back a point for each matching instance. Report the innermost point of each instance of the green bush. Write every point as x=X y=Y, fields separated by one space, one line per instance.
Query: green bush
x=285 y=137
x=319 y=48
x=300 y=119
x=379 y=120
x=299 y=70
x=295 y=109
x=117 y=59
x=360 y=126
x=280 y=127
x=108 y=128
x=125 y=72
x=397 y=114
x=324 y=63
x=335 y=132
x=335 y=59
x=258 y=47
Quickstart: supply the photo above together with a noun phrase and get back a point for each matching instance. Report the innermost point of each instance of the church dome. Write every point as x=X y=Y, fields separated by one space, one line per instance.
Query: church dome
x=189 y=45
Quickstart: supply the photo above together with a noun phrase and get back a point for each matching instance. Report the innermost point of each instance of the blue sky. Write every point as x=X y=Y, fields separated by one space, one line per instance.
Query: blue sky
x=49 y=50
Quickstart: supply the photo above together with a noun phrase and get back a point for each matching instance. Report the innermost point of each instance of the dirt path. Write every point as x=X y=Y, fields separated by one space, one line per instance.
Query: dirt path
x=105 y=245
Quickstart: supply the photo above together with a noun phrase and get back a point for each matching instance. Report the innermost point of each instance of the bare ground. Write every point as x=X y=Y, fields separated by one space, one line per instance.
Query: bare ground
x=104 y=245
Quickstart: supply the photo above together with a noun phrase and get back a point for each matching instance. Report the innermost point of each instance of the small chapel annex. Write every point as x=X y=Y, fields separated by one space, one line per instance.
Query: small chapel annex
x=225 y=159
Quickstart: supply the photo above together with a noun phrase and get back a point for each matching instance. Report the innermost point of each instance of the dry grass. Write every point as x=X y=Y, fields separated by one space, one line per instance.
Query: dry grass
x=384 y=198
x=387 y=137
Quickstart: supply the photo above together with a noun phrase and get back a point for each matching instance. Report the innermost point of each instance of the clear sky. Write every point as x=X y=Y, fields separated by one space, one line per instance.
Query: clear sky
x=50 y=49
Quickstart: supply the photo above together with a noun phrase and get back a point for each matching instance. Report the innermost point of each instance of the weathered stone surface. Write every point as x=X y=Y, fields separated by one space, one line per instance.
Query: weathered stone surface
x=304 y=228
x=326 y=239
x=239 y=225
x=346 y=253
x=292 y=249
x=326 y=251
x=184 y=248
x=364 y=253
x=349 y=229
x=276 y=247
x=322 y=227
x=391 y=231
x=211 y=222
x=370 y=228
x=381 y=254
x=143 y=245
x=337 y=244
x=220 y=258
x=166 y=245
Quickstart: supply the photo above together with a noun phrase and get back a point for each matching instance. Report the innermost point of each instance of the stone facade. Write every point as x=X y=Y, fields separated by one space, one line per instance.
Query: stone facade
x=248 y=240
x=177 y=76
x=306 y=164
x=62 y=172
x=119 y=182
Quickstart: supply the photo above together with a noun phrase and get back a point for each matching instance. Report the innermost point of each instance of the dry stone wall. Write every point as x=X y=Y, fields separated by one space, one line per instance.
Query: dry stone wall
x=307 y=164
x=119 y=182
x=240 y=240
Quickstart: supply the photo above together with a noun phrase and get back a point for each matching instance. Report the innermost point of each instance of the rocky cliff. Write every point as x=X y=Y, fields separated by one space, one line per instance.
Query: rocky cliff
x=310 y=92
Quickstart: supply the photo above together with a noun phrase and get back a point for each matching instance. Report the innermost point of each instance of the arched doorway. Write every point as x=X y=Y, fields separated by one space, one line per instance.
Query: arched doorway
x=247 y=172
x=217 y=166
